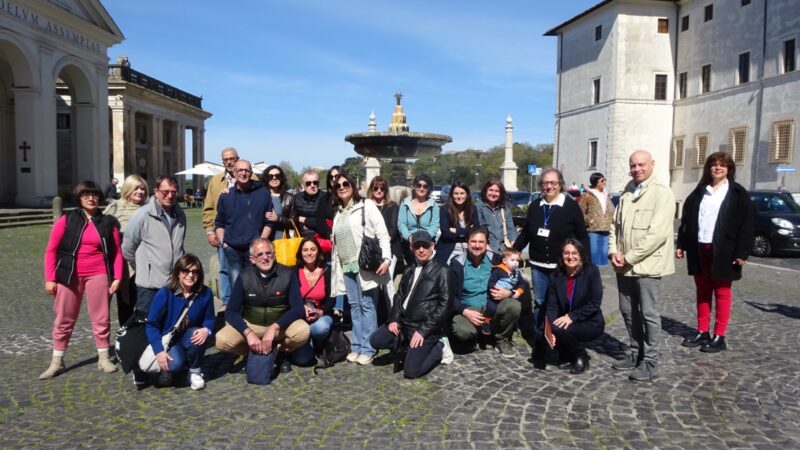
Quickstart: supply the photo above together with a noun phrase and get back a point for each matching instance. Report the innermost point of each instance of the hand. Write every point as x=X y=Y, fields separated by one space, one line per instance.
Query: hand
x=740 y=261
x=269 y=336
x=452 y=230
x=225 y=191
x=254 y=343
x=384 y=267
x=114 y=287
x=301 y=219
x=163 y=359
x=51 y=287
x=474 y=317
x=212 y=240
x=618 y=260
x=679 y=253
x=394 y=328
x=271 y=216
x=563 y=321
x=311 y=313
x=199 y=336
x=416 y=340
x=500 y=293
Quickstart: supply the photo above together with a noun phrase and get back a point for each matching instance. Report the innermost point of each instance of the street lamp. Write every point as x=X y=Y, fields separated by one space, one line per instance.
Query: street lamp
x=478 y=175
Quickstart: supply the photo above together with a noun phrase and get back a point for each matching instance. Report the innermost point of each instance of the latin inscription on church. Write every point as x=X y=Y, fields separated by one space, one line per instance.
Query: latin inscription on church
x=59 y=30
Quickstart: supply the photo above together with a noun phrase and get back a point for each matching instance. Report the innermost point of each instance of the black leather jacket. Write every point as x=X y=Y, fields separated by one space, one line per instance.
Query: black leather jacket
x=428 y=308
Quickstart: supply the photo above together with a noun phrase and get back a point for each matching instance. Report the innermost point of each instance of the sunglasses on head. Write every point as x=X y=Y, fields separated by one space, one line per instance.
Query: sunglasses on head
x=312 y=183
x=343 y=185
x=274 y=176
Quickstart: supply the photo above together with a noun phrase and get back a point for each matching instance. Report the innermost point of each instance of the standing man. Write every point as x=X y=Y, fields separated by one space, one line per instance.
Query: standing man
x=640 y=248
x=471 y=273
x=154 y=241
x=312 y=207
x=111 y=190
x=216 y=185
x=241 y=218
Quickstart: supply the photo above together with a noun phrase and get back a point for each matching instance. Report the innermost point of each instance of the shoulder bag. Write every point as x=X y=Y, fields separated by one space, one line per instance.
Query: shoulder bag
x=147 y=362
x=370 y=257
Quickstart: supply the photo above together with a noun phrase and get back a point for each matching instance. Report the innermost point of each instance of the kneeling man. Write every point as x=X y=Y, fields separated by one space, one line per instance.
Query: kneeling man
x=421 y=309
x=265 y=312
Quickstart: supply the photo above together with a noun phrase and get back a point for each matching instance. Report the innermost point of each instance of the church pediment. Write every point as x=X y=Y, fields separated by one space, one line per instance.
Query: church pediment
x=92 y=12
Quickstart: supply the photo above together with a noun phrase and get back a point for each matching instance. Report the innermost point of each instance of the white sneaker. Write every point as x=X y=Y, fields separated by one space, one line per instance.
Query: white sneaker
x=364 y=359
x=196 y=381
x=447 y=352
x=352 y=357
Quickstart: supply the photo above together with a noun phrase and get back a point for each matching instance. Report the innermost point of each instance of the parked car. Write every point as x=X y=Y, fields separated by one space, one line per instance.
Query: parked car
x=519 y=198
x=777 y=222
x=437 y=194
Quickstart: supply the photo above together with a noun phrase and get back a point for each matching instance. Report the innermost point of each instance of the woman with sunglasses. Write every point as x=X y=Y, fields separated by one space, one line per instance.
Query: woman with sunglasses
x=282 y=201
x=598 y=212
x=83 y=255
x=355 y=219
x=455 y=222
x=378 y=192
x=192 y=335
x=331 y=177
x=418 y=212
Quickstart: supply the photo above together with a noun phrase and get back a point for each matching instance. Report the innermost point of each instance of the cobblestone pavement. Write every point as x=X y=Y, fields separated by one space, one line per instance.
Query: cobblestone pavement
x=745 y=397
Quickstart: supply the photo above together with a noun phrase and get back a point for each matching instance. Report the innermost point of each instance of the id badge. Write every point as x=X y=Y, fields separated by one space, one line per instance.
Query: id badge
x=543 y=232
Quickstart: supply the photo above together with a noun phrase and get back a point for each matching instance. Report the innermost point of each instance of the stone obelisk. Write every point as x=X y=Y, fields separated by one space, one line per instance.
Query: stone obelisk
x=372 y=165
x=508 y=171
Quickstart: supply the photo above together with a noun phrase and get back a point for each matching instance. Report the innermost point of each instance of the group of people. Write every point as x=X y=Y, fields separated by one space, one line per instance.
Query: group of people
x=460 y=265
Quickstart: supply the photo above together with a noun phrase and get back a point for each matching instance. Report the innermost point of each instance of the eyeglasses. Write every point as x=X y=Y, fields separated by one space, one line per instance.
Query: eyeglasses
x=192 y=272
x=264 y=255
x=274 y=176
x=90 y=195
x=312 y=183
x=335 y=176
x=379 y=189
x=549 y=183
x=419 y=245
x=243 y=171
x=343 y=185
x=232 y=158
x=421 y=186
x=167 y=192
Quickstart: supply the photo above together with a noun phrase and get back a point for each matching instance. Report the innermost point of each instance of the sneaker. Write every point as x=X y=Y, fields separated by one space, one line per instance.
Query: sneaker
x=447 y=352
x=364 y=359
x=352 y=357
x=506 y=348
x=486 y=328
x=196 y=381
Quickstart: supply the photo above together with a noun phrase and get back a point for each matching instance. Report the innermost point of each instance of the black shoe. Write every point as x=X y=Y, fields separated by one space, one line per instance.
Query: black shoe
x=165 y=379
x=399 y=362
x=715 y=345
x=285 y=366
x=564 y=365
x=701 y=338
x=627 y=363
x=580 y=365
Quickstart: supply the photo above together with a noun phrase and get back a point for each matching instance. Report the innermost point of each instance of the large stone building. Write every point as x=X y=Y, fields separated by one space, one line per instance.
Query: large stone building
x=682 y=79
x=61 y=103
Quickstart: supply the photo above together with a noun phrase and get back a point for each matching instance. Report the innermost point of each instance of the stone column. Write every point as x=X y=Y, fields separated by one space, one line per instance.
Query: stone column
x=131 y=163
x=180 y=151
x=508 y=171
x=156 y=147
x=118 y=119
x=373 y=167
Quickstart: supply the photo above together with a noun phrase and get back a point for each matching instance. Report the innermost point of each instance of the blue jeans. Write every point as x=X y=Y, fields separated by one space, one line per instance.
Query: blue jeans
x=541 y=280
x=363 y=313
x=224 y=280
x=320 y=329
x=598 y=245
x=236 y=261
x=186 y=355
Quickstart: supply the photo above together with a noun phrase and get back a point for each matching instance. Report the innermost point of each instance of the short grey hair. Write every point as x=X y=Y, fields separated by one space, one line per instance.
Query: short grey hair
x=557 y=172
x=309 y=172
x=257 y=241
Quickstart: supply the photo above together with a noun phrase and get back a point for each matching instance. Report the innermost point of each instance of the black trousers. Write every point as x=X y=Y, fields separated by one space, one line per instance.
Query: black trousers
x=572 y=340
x=418 y=361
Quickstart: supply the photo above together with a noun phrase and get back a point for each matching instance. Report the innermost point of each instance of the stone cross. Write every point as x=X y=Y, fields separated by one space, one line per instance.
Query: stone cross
x=25 y=147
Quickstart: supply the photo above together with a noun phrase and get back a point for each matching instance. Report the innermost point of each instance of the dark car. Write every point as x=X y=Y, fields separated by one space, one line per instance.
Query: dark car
x=519 y=198
x=777 y=223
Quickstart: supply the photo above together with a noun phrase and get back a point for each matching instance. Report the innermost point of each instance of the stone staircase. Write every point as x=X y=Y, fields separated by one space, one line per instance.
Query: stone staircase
x=18 y=217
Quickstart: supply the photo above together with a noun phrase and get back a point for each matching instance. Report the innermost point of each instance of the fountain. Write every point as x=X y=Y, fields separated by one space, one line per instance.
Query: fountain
x=397 y=145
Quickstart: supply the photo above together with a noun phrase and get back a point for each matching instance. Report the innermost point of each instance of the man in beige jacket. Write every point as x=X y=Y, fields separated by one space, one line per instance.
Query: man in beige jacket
x=640 y=248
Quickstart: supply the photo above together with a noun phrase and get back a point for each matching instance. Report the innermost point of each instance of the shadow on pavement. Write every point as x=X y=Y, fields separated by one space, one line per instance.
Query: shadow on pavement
x=676 y=328
x=792 y=312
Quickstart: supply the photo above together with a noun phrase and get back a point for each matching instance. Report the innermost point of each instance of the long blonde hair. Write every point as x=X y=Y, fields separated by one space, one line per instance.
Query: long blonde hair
x=130 y=185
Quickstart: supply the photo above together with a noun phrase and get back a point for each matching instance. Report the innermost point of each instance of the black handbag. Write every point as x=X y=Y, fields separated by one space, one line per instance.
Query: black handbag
x=130 y=343
x=370 y=257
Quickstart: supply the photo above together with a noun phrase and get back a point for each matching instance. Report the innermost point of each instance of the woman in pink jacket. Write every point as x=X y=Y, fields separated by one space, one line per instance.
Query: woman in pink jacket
x=83 y=256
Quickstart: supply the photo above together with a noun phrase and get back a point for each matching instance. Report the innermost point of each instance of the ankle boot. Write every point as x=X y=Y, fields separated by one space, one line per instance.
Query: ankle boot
x=56 y=368
x=715 y=345
x=104 y=362
x=701 y=338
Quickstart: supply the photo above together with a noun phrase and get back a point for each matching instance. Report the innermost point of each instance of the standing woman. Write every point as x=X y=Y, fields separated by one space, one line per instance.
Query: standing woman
x=551 y=220
x=418 y=212
x=282 y=201
x=455 y=222
x=598 y=212
x=496 y=216
x=715 y=236
x=355 y=219
x=83 y=255
x=331 y=178
x=378 y=192
x=134 y=195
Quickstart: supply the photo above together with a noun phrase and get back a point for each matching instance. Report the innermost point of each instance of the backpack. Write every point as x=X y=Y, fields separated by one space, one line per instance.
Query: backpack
x=335 y=350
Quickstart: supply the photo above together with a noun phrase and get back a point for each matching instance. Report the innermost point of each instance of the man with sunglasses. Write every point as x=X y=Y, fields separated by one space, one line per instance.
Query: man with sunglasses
x=241 y=217
x=154 y=241
x=419 y=314
x=312 y=208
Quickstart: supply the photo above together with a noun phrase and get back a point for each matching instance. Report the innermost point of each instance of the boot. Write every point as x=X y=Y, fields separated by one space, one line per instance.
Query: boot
x=56 y=368
x=104 y=362
x=715 y=345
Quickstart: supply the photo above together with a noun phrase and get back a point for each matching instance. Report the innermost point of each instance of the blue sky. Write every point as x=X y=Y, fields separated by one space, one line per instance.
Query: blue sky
x=287 y=80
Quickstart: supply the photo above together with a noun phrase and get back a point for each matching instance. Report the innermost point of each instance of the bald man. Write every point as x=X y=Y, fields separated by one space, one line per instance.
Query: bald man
x=640 y=249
